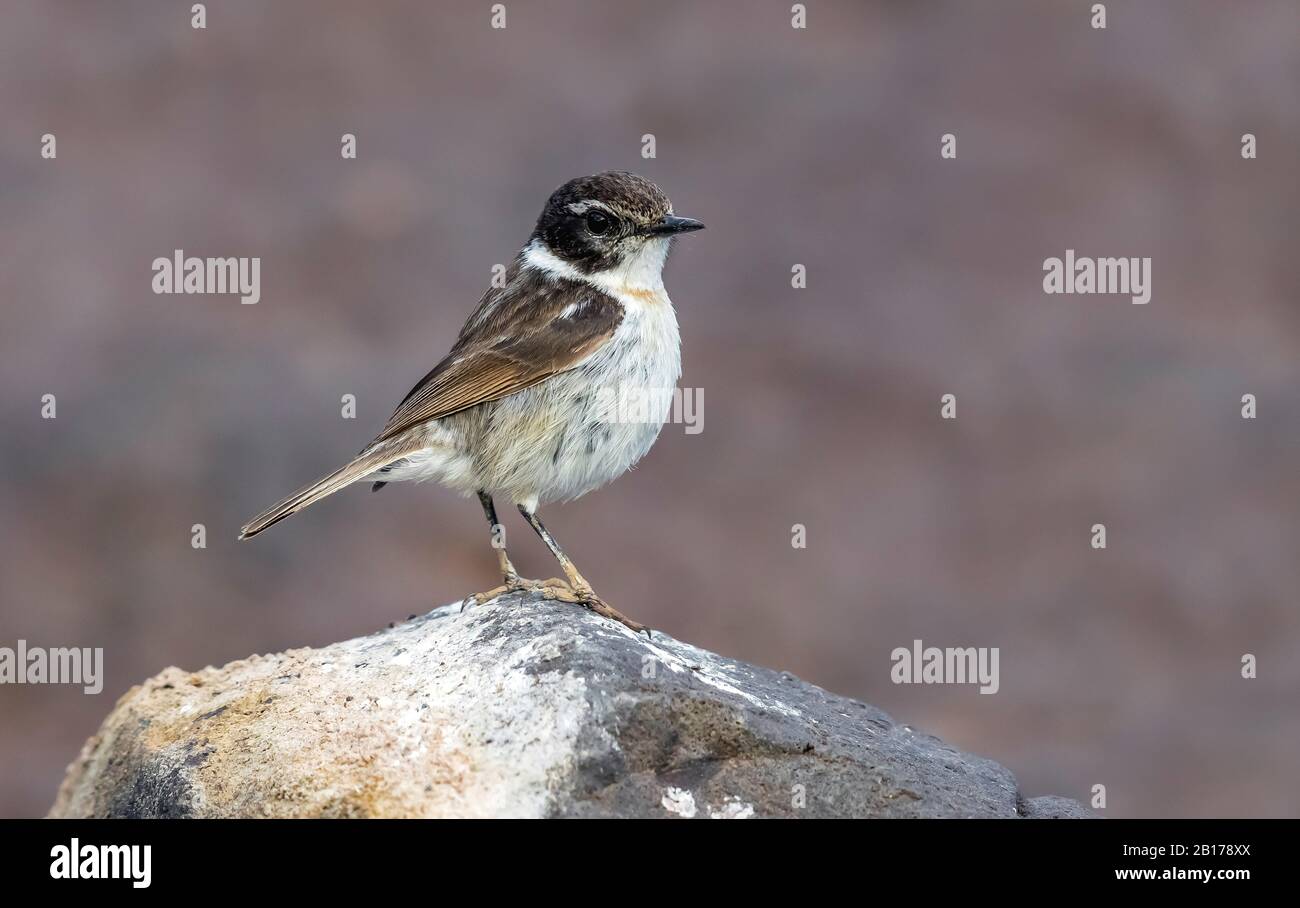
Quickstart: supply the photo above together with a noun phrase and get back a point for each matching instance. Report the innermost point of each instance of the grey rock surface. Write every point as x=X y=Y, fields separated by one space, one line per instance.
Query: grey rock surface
x=519 y=707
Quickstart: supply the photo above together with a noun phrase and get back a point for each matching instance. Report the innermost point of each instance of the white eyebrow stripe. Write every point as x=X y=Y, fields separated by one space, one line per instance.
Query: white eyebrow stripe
x=587 y=205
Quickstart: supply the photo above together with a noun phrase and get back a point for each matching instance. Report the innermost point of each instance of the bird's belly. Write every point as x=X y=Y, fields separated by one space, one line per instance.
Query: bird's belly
x=583 y=428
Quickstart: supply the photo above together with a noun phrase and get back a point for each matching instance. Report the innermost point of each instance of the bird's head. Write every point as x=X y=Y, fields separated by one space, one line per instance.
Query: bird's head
x=609 y=222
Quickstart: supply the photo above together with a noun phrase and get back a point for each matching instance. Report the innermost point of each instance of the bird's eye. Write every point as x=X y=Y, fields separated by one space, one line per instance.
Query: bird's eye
x=599 y=223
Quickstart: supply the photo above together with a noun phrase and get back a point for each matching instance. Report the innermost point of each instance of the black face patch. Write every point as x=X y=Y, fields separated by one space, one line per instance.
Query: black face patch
x=588 y=221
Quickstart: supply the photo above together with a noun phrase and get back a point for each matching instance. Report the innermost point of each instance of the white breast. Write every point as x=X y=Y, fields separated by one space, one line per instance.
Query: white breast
x=617 y=402
x=580 y=429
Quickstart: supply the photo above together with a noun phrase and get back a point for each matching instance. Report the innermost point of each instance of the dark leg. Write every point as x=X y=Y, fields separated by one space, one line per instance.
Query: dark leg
x=581 y=589
x=508 y=571
x=511 y=581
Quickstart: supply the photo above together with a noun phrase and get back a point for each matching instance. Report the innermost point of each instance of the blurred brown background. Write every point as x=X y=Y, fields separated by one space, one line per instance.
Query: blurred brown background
x=821 y=406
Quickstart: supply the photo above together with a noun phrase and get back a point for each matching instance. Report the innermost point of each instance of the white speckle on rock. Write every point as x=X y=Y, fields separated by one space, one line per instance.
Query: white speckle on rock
x=711 y=670
x=732 y=809
x=679 y=801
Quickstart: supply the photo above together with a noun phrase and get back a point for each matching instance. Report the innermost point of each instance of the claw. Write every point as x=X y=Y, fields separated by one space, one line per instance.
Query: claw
x=588 y=598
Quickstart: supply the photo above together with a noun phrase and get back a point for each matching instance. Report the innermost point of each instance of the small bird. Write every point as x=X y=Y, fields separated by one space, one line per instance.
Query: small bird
x=526 y=404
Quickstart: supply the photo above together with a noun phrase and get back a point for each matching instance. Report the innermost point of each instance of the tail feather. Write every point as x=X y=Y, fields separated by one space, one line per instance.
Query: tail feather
x=362 y=466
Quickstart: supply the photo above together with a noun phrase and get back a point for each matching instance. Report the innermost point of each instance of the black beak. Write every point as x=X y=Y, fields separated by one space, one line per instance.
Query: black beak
x=672 y=224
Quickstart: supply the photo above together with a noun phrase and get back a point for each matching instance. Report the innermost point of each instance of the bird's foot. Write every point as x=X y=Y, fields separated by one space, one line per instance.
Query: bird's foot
x=515 y=584
x=558 y=590
x=587 y=598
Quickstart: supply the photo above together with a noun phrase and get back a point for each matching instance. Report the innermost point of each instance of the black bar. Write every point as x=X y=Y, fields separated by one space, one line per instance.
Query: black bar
x=214 y=856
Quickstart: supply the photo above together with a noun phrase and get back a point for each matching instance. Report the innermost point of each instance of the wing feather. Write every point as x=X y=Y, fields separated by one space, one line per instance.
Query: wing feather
x=508 y=346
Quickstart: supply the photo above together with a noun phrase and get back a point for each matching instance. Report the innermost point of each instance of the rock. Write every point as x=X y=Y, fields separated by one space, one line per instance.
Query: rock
x=1054 y=807
x=520 y=707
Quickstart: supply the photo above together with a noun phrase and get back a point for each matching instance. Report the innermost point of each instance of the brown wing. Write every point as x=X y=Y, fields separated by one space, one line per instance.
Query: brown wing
x=518 y=341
